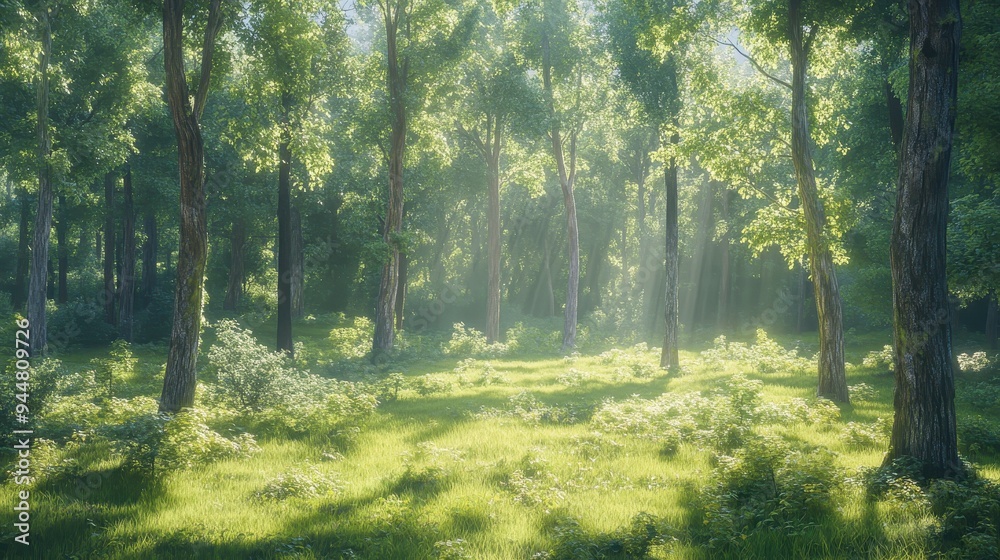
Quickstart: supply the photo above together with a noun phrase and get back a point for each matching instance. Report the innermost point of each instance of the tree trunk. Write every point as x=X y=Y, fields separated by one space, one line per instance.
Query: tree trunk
x=180 y=378
x=669 y=356
x=567 y=177
x=992 y=321
x=722 y=311
x=126 y=299
x=62 y=295
x=298 y=266
x=234 y=288
x=20 y=292
x=404 y=267
x=43 y=217
x=396 y=78
x=493 y=235
x=800 y=301
x=285 y=256
x=924 y=403
x=832 y=378
x=110 y=244
x=149 y=251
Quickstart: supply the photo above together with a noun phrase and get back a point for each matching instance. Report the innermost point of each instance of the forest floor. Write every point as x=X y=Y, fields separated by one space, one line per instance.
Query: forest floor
x=517 y=458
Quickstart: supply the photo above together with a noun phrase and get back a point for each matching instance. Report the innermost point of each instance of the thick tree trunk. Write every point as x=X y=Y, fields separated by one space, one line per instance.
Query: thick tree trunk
x=298 y=266
x=493 y=238
x=396 y=78
x=110 y=244
x=180 y=378
x=149 y=252
x=126 y=298
x=992 y=321
x=285 y=295
x=832 y=378
x=669 y=356
x=234 y=288
x=20 y=293
x=62 y=292
x=924 y=403
x=43 y=216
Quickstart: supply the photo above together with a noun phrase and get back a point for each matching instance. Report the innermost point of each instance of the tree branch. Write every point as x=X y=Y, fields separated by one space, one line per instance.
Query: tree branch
x=207 y=50
x=753 y=63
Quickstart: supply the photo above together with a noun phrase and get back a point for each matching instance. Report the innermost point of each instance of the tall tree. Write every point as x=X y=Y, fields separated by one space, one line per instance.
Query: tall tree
x=924 y=401
x=44 y=13
x=181 y=374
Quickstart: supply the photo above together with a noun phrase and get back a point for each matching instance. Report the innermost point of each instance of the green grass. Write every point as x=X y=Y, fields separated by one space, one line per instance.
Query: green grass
x=436 y=468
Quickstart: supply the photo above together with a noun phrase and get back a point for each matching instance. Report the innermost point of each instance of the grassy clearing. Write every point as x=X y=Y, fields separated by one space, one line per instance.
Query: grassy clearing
x=505 y=459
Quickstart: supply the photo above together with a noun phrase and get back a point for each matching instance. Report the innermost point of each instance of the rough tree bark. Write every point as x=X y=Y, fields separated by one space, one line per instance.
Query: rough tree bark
x=126 y=295
x=234 y=288
x=110 y=243
x=924 y=402
x=43 y=216
x=396 y=79
x=285 y=242
x=669 y=357
x=181 y=374
x=832 y=378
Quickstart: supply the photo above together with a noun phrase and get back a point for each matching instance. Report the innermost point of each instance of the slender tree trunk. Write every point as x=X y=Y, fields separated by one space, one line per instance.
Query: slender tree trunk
x=404 y=268
x=493 y=236
x=800 y=301
x=234 y=288
x=20 y=293
x=567 y=177
x=110 y=244
x=126 y=304
x=149 y=251
x=298 y=266
x=924 y=402
x=669 y=357
x=832 y=379
x=396 y=77
x=43 y=217
x=285 y=295
x=722 y=311
x=180 y=379
x=992 y=320
x=62 y=225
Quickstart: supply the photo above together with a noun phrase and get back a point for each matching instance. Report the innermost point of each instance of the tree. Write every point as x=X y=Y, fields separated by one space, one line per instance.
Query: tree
x=296 y=51
x=43 y=14
x=498 y=95
x=181 y=374
x=924 y=422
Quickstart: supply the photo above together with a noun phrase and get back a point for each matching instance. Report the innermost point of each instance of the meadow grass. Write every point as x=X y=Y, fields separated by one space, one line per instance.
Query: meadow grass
x=462 y=472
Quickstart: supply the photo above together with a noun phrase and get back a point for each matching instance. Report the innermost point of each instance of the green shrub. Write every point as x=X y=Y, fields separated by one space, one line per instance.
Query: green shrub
x=116 y=368
x=351 y=338
x=250 y=376
x=880 y=359
x=978 y=436
x=466 y=341
x=80 y=322
x=42 y=384
x=634 y=541
x=524 y=340
x=767 y=486
x=764 y=356
x=298 y=483
x=873 y=435
x=975 y=363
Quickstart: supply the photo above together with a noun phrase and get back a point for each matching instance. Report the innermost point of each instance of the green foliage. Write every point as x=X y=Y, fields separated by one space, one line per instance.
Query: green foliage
x=767 y=487
x=250 y=376
x=299 y=483
x=572 y=542
x=880 y=359
x=764 y=356
x=978 y=436
x=351 y=338
x=118 y=367
x=42 y=386
x=466 y=341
